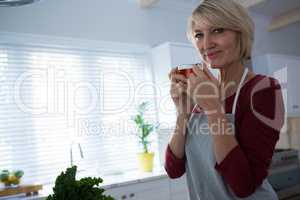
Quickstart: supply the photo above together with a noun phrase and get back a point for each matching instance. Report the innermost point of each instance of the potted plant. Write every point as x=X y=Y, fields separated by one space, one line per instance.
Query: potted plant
x=67 y=187
x=144 y=130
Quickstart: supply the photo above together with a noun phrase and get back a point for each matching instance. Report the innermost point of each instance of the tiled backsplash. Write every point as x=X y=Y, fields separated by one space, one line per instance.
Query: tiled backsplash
x=290 y=135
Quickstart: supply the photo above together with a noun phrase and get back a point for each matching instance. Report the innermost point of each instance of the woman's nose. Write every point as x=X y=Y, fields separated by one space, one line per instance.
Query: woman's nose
x=208 y=42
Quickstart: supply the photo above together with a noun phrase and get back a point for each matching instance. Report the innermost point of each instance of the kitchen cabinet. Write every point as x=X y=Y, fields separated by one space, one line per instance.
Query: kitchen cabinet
x=142 y=191
x=162 y=189
x=286 y=69
x=169 y=55
x=164 y=57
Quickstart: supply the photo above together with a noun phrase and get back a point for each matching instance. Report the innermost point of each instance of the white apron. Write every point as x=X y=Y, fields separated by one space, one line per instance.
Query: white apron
x=204 y=182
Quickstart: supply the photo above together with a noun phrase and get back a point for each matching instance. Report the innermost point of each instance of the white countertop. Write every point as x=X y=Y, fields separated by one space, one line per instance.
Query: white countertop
x=109 y=181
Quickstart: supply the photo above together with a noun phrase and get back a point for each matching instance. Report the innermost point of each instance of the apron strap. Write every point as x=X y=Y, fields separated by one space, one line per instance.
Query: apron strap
x=238 y=90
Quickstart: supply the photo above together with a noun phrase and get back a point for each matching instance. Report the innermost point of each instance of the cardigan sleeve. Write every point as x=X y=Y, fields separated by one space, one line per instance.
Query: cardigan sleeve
x=174 y=166
x=246 y=166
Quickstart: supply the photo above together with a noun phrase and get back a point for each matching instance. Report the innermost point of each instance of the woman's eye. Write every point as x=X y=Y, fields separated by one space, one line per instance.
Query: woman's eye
x=218 y=30
x=198 y=35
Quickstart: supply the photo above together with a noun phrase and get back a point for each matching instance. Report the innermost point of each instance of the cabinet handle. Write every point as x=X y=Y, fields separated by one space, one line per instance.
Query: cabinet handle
x=123 y=197
x=131 y=195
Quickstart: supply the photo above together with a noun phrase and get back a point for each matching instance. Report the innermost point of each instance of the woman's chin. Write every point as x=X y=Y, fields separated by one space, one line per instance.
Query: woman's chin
x=210 y=62
x=215 y=65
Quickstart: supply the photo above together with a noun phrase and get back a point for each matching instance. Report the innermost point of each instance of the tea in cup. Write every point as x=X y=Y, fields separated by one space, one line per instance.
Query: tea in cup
x=185 y=70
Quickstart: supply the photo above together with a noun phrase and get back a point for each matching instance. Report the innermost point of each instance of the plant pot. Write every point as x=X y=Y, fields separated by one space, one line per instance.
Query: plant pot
x=12 y=181
x=11 y=178
x=146 y=161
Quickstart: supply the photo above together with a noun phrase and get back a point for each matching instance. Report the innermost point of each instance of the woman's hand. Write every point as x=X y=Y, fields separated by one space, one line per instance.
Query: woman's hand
x=178 y=91
x=203 y=88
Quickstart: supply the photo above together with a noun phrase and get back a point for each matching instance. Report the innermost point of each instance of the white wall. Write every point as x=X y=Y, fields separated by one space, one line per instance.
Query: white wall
x=282 y=41
x=287 y=40
x=124 y=21
x=113 y=20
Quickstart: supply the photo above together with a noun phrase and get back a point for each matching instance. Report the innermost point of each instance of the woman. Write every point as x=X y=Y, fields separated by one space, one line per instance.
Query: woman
x=225 y=142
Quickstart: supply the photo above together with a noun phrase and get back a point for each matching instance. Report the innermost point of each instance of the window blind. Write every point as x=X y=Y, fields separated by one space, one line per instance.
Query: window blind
x=53 y=98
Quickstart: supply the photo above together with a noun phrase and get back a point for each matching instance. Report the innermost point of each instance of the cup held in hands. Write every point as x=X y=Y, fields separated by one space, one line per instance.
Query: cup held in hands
x=185 y=69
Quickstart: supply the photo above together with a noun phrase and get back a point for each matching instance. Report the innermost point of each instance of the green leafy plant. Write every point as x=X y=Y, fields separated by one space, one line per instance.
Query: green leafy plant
x=67 y=187
x=144 y=128
x=11 y=177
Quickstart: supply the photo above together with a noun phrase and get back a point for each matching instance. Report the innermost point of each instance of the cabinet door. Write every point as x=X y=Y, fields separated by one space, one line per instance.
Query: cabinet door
x=277 y=63
x=293 y=82
x=164 y=58
x=159 y=193
x=151 y=190
x=155 y=189
x=286 y=70
x=120 y=193
x=183 y=54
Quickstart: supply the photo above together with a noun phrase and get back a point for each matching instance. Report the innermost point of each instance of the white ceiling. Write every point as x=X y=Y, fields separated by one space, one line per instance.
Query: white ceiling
x=183 y=5
x=274 y=8
x=269 y=8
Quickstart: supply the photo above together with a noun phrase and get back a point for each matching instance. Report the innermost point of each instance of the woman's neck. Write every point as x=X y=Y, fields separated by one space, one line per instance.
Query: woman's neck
x=230 y=77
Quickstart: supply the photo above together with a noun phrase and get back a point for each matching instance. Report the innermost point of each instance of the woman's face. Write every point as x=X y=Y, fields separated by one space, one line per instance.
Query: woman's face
x=217 y=46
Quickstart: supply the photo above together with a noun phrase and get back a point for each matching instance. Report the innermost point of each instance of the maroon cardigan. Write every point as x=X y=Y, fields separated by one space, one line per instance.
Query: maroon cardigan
x=246 y=166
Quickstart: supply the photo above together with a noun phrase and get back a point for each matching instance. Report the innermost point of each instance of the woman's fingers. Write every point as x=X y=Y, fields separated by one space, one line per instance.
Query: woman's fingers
x=202 y=71
x=178 y=89
x=172 y=72
x=178 y=78
x=175 y=77
x=180 y=86
x=197 y=69
x=208 y=73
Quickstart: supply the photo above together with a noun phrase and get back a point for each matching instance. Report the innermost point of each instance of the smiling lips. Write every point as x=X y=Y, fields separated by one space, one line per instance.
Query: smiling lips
x=212 y=55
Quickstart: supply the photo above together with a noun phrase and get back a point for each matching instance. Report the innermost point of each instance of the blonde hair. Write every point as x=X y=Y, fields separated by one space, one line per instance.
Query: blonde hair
x=226 y=14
